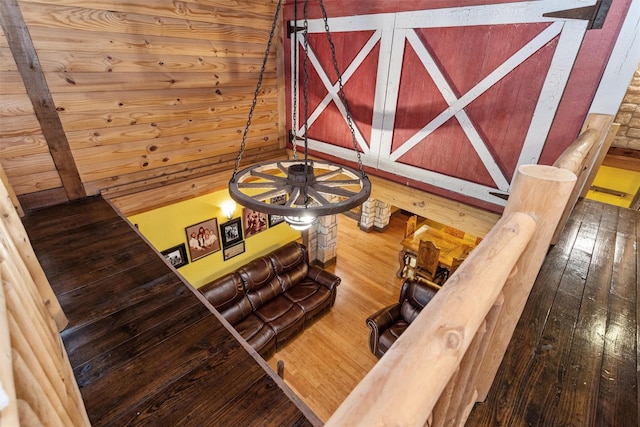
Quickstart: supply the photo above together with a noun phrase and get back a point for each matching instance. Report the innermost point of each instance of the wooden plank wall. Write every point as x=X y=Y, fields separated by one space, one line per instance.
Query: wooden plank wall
x=23 y=150
x=148 y=93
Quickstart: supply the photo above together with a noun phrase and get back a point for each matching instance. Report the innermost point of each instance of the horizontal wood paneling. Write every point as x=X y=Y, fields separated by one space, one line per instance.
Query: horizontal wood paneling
x=157 y=191
x=86 y=17
x=24 y=153
x=98 y=41
x=147 y=92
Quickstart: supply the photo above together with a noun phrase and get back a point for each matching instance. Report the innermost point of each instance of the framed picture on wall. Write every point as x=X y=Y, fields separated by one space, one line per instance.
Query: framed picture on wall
x=176 y=255
x=231 y=232
x=233 y=250
x=275 y=220
x=278 y=200
x=254 y=222
x=203 y=239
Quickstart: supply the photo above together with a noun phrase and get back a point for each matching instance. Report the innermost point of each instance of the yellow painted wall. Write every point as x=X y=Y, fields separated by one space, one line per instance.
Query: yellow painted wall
x=622 y=180
x=165 y=227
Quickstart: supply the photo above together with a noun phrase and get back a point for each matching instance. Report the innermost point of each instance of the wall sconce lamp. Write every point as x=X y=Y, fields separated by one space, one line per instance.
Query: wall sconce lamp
x=228 y=208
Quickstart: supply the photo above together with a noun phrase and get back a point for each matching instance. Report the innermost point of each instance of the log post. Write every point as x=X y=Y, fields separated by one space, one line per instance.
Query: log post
x=542 y=192
x=583 y=157
x=9 y=415
x=18 y=235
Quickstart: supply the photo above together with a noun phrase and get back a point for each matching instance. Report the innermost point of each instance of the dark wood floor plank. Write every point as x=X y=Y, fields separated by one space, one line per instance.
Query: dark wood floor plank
x=143 y=347
x=44 y=223
x=637 y=223
x=105 y=298
x=618 y=387
x=157 y=322
x=570 y=335
x=200 y=349
x=198 y=396
x=106 y=247
x=258 y=396
x=577 y=404
x=542 y=382
x=529 y=330
x=88 y=270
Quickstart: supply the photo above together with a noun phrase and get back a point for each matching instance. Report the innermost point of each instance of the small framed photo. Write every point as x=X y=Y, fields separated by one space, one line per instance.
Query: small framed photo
x=254 y=222
x=176 y=255
x=233 y=250
x=278 y=200
x=203 y=238
x=231 y=232
x=275 y=220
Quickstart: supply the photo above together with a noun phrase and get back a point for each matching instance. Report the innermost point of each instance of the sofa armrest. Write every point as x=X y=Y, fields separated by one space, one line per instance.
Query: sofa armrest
x=379 y=321
x=383 y=318
x=323 y=277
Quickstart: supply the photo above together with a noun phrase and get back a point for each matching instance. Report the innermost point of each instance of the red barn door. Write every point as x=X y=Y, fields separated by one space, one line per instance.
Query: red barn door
x=455 y=98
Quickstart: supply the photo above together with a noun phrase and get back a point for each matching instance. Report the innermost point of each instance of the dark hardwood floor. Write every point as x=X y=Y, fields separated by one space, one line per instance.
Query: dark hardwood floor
x=145 y=350
x=573 y=359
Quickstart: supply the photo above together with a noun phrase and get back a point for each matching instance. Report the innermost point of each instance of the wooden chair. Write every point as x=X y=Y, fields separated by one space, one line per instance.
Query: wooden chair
x=412 y=223
x=455 y=264
x=466 y=250
x=454 y=232
x=427 y=260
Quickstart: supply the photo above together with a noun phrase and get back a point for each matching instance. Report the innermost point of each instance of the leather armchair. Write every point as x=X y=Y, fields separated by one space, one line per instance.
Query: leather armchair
x=388 y=323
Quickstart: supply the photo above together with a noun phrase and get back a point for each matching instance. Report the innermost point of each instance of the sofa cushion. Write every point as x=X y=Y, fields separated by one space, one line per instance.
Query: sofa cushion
x=312 y=297
x=418 y=291
x=227 y=296
x=288 y=257
x=260 y=282
x=283 y=316
x=258 y=334
x=409 y=311
x=293 y=277
x=390 y=335
x=256 y=274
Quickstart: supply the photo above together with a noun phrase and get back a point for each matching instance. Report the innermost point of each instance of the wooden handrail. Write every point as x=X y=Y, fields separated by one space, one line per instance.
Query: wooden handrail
x=18 y=236
x=35 y=371
x=581 y=157
x=446 y=359
x=574 y=156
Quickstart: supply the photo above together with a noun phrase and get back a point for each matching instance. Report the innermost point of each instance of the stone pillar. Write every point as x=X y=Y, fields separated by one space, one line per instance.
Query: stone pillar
x=322 y=238
x=367 y=215
x=327 y=240
x=383 y=213
x=310 y=240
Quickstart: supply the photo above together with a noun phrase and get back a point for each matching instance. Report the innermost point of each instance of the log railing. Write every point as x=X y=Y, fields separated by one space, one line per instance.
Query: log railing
x=447 y=359
x=583 y=157
x=37 y=384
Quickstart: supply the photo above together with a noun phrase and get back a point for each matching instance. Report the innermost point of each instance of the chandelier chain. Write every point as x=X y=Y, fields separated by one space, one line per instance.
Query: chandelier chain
x=257 y=91
x=305 y=82
x=343 y=97
x=305 y=94
x=294 y=119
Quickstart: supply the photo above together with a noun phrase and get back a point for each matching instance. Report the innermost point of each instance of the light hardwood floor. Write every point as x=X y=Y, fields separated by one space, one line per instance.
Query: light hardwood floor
x=328 y=359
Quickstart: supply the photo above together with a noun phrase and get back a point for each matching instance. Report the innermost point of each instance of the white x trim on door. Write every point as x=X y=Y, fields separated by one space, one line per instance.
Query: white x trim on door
x=393 y=30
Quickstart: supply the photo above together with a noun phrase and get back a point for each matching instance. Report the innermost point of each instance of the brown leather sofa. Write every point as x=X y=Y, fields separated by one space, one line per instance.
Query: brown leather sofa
x=272 y=298
x=388 y=323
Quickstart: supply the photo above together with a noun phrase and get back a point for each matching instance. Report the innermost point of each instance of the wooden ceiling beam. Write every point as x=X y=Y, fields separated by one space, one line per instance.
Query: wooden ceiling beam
x=24 y=54
x=623 y=158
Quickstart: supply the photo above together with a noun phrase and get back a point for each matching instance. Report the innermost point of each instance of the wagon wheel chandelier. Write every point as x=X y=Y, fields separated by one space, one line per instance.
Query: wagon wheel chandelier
x=300 y=190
